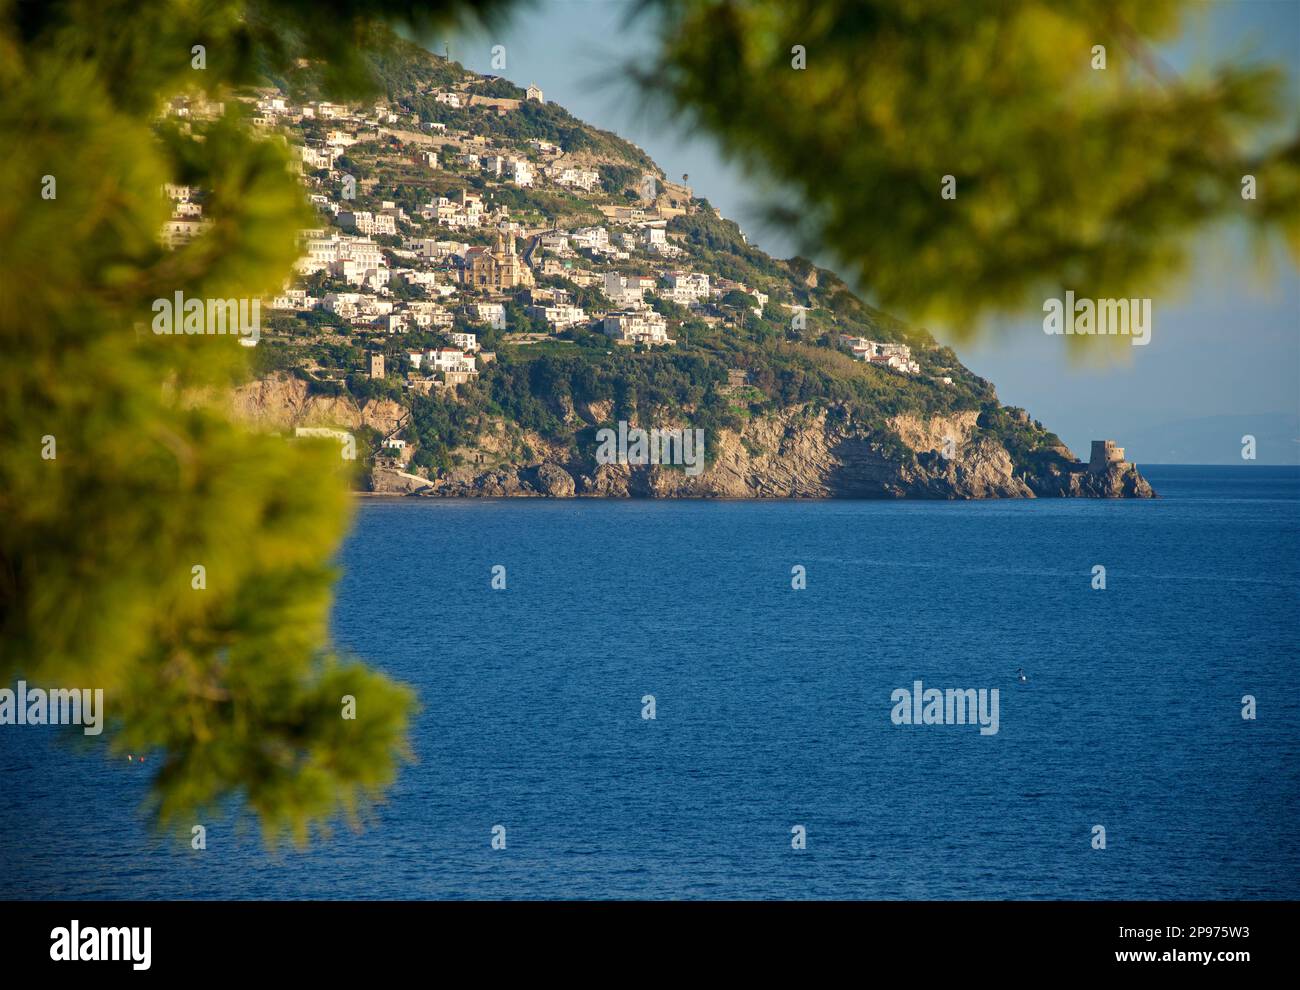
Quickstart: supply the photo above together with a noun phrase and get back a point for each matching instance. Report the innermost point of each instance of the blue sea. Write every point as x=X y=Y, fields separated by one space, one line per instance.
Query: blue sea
x=773 y=707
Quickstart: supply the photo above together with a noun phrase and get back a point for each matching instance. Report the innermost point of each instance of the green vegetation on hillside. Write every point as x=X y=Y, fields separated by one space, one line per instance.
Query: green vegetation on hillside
x=531 y=121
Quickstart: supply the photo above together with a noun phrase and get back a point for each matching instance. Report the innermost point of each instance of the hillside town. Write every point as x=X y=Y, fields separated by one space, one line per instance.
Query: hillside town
x=462 y=262
x=482 y=280
x=481 y=260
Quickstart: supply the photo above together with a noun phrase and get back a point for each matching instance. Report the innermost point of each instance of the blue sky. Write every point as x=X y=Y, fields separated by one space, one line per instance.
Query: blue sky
x=1224 y=358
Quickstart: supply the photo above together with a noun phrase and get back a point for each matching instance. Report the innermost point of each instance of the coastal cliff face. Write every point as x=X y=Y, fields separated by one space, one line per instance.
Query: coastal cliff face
x=282 y=402
x=798 y=453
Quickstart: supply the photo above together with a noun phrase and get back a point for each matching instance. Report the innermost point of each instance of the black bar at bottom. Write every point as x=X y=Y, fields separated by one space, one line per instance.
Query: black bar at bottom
x=335 y=939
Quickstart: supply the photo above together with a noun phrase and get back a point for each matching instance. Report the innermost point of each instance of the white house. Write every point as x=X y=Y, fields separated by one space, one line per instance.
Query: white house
x=434 y=250
x=296 y=299
x=321 y=249
x=465 y=341
x=429 y=314
x=493 y=314
x=624 y=291
x=521 y=172
x=591 y=238
x=639 y=326
x=342 y=304
x=449 y=359
x=560 y=315
x=654 y=237
x=557 y=244
x=365 y=222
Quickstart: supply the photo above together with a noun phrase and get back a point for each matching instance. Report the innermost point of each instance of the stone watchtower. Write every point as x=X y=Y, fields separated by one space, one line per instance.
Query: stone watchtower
x=377 y=369
x=1104 y=454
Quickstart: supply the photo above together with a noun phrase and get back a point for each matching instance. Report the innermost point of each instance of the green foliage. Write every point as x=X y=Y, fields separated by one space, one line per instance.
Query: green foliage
x=615 y=178
x=271 y=356
x=669 y=309
x=1031 y=446
x=232 y=686
x=531 y=121
x=530 y=386
x=718 y=242
x=364 y=388
x=404 y=68
x=1066 y=176
x=500 y=89
x=553 y=205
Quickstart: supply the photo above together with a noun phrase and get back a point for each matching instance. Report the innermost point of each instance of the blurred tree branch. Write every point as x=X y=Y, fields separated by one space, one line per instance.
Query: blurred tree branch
x=235 y=685
x=1067 y=176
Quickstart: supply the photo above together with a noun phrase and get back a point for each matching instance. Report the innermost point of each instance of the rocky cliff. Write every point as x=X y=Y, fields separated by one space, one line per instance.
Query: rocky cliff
x=798 y=453
x=283 y=402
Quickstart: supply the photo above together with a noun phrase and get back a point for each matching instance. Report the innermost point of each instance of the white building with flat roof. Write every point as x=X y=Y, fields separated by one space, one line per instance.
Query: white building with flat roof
x=637 y=326
x=686 y=288
x=624 y=290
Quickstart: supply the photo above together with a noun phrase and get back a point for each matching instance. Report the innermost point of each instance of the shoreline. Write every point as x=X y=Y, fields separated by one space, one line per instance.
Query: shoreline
x=536 y=497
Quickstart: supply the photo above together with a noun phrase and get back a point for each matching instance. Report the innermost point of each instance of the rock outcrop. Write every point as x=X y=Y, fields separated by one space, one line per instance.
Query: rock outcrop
x=1117 y=481
x=388 y=481
x=812 y=453
x=799 y=452
x=553 y=480
x=282 y=402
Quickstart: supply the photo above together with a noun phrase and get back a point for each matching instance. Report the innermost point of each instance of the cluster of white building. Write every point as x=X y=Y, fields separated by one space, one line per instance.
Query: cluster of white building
x=627 y=290
x=455 y=364
x=895 y=356
x=186 y=221
x=369 y=285
x=298 y=300
x=686 y=288
x=586 y=179
x=594 y=240
x=348 y=252
x=511 y=168
x=555 y=307
x=370 y=224
x=649 y=236
x=358 y=261
x=468 y=212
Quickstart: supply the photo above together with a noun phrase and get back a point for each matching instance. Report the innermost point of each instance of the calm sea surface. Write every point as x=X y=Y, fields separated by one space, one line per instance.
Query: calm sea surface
x=773 y=707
